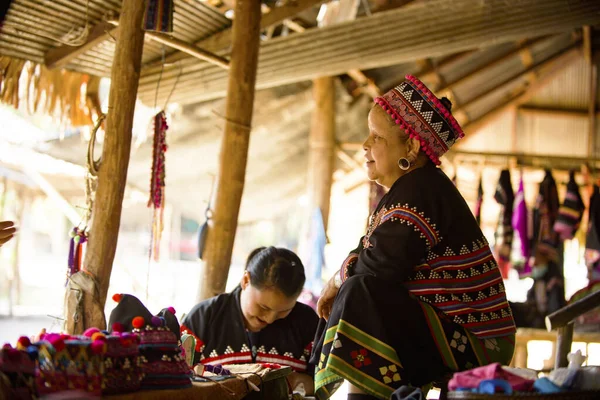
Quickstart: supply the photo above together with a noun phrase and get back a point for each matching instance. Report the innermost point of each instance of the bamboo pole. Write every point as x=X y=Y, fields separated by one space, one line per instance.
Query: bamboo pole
x=234 y=147
x=112 y=175
x=321 y=142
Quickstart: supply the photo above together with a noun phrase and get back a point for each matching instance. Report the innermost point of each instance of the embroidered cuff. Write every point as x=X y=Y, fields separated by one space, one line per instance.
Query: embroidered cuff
x=344 y=272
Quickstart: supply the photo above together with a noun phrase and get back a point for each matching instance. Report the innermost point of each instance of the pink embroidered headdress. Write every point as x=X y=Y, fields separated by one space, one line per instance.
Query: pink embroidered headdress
x=423 y=116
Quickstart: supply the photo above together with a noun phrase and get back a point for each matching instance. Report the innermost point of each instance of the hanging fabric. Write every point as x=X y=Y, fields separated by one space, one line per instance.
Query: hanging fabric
x=157 y=182
x=520 y=223
x=159 y=16
x=570 y=212
x=479 y=201
x=592 y=240
x=545 y=239
x=75 y=262
x=203 y=231
x=505 y=196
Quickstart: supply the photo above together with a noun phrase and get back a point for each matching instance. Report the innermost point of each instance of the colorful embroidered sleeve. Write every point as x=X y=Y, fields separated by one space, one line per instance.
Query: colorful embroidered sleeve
x=396 y=242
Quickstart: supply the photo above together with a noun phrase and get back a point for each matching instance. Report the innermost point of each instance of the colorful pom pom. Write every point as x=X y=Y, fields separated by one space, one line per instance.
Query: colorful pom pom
x=98 y=347
x=156 y=321
x=23 y=343
x=58 y=344
x=118 y=327
x=171 y=310
x=138 y=322
x=117 y=297
x=90 y=331
x=98 y=336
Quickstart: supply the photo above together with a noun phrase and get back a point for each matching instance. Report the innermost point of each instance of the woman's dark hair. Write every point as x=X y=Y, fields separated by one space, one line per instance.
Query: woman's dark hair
x=446 y=103
x=276 y=267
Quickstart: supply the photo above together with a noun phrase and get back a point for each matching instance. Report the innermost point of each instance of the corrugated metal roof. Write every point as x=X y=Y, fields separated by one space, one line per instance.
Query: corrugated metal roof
x=32 y=26
x=552 y=135
x=496 y=135
x=474 y=61
x=569 y=89
x=381 y=40
x=491 y=101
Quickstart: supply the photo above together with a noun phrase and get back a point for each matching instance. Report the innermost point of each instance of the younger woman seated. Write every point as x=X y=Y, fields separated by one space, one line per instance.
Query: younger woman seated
x=260 y=321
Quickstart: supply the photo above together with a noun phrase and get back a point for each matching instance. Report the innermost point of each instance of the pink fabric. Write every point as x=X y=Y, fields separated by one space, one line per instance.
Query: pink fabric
x=470 y=379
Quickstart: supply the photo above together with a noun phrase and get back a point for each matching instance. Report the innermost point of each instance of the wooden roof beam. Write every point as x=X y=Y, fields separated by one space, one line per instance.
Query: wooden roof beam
x=553 y=68
x=427 y=71
x=60 y=57
x=554 y=111
x=534 y=69
x=222 y=40
x=184 y=47
x=494 y=62
x=591 y=57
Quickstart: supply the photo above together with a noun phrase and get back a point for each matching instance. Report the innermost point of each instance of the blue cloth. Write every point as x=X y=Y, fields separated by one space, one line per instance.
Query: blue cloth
x=545 y=385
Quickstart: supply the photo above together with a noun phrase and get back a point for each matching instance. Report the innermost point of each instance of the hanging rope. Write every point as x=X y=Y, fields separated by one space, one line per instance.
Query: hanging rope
x=79 y=234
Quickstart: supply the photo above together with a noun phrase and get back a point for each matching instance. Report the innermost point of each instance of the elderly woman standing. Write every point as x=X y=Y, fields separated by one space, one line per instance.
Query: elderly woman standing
x=421 y=295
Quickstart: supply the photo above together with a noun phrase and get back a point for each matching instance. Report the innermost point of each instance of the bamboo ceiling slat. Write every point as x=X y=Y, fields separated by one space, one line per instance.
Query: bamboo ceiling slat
x=33 y=24
x=380 y=40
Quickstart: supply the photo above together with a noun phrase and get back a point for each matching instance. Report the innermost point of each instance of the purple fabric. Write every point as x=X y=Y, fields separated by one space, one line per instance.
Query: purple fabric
x=520 y=225
x=470 y=379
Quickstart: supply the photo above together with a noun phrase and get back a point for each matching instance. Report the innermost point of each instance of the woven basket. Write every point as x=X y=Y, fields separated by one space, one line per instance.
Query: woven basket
x=580 y=395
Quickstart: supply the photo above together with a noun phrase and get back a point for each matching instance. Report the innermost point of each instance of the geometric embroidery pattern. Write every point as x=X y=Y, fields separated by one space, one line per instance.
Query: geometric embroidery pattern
x=467 y=286
x=405 y=215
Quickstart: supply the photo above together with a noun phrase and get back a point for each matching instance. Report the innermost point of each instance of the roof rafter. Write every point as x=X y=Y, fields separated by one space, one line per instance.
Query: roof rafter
x=222 y=40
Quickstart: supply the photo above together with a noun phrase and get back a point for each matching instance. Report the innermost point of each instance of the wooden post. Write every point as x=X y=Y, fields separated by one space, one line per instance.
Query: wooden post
x=234 y=147
x=112 y=175
x=321 y=143
x=592 y=119
x=563 y=345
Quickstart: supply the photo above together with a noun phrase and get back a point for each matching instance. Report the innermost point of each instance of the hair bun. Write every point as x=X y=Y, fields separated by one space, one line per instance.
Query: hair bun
x=447 y=103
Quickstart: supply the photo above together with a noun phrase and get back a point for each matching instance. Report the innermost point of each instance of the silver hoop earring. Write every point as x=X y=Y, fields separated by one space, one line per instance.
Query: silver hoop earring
x=404 y=163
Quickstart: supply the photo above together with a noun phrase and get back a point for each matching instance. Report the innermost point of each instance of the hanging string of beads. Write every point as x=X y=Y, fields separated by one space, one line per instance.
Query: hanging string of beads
x=157 y=182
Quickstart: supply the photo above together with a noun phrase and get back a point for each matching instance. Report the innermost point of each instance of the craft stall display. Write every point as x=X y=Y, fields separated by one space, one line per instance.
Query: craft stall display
x=140 y=357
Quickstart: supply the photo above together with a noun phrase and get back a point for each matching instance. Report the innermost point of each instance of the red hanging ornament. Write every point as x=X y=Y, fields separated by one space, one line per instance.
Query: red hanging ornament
x=75 y=261
x=157 y=182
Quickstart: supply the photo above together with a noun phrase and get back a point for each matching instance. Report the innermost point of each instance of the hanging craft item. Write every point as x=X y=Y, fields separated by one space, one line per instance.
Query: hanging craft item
x=520 y=223
x=504 y=232
x=203 y=231
x=78 y=238
x=159 y=16
x=479 y=201
x=571 y=211
x=157 y=182
x=592 y=240
x=79 y=234
x=546 y=240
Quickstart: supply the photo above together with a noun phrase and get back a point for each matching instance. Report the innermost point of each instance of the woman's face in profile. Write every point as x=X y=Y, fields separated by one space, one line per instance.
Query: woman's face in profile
x=383 y=148
x=261 y=307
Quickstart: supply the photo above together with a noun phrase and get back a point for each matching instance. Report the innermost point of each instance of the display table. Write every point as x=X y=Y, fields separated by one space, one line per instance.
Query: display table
x=270 y=382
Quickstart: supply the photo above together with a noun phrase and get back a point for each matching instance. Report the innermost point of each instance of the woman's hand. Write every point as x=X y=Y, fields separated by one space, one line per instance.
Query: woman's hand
x=296 y=378
x=7 y=231
x=325 y=303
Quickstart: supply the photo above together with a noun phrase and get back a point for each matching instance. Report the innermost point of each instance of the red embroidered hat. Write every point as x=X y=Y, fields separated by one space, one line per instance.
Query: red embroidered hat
x=423 y=116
